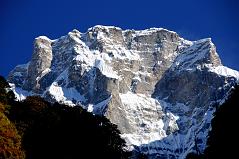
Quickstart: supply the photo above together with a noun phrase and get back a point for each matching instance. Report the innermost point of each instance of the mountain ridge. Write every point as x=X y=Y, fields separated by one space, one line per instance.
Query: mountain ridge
x=159 y=88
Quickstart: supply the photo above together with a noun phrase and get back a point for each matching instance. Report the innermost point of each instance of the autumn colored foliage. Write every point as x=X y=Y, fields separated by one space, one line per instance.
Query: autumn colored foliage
x=45 y=130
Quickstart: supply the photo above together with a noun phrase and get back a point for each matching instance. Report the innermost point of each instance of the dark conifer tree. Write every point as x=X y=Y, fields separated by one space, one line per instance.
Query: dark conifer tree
x=223 y=138
x=56 y=130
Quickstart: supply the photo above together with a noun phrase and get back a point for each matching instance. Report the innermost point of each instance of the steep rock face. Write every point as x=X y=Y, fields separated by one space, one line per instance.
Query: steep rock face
x=18 y=75
x=39 y=64
x=159 y=89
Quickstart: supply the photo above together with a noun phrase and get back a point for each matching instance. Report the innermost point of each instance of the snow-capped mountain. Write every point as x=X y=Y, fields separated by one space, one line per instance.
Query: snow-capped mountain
x=159 y=88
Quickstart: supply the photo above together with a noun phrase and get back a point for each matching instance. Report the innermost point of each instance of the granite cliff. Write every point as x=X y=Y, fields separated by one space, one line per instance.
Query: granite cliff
x=159 y=88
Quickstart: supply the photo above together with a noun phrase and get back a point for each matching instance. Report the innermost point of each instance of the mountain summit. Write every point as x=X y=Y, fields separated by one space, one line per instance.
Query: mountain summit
x=159 y=88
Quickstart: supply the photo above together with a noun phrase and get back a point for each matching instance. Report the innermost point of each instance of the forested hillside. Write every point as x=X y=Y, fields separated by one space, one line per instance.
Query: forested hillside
x=36 y=129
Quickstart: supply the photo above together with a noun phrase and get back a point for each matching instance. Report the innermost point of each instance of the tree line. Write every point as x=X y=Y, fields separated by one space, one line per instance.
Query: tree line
x=36 y=129
x=223 y=137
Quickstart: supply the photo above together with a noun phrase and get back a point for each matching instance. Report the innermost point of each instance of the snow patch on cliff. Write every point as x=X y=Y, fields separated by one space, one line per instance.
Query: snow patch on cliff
x=105 y=69
x=19 y=92
x=224 y=71
x=65 y=95
x=146 y=113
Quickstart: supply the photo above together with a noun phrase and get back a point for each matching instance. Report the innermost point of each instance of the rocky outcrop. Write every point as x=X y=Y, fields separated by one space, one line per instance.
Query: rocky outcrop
x=39 y=65
x=159 y=88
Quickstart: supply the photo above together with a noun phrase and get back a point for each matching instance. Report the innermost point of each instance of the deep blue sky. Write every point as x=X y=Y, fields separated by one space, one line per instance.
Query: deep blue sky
x=23 y=20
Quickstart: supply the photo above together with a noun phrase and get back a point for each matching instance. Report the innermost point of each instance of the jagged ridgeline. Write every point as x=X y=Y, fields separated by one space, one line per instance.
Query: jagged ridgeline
x=158 y=88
